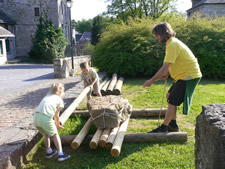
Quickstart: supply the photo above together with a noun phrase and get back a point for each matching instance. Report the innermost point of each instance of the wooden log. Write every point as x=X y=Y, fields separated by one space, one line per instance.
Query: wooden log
x=103 y=83
x=116 y=148
x=118 y=87
x=104 y=137
x=80 y=137
x=112 y=84
x=111 y=138
x=94 y=141
x=137 y=138
x=104 y=88
x=153 y=112
x=100 y=86
x=66 y=114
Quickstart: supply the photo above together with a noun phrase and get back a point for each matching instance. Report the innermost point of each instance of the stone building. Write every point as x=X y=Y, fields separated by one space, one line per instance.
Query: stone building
x=4 y=34
x=208 y=7
x=21 y=17
x=81 y=42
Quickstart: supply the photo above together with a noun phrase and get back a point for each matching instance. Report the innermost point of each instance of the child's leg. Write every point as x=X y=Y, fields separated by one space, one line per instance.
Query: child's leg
x=57 y=142
x=89 y=96
x=47 y=142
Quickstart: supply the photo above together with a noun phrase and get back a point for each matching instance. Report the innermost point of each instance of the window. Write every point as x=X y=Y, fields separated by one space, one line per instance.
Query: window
x=36 y=11
x=1 y=48
x=7 y=43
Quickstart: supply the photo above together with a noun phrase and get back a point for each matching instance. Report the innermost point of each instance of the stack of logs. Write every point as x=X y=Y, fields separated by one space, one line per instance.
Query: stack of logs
x=111 y=87
x=108 y=138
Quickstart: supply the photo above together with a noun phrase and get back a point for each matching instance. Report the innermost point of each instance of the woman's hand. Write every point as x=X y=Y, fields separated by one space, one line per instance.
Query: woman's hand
x=148 y=83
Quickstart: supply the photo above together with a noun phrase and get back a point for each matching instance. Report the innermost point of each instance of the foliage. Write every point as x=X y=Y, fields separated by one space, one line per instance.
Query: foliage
x=138 y=156
x=83 y=25
x=98 y=26
x=132 y=50
x=49 y=41
x=123 y=9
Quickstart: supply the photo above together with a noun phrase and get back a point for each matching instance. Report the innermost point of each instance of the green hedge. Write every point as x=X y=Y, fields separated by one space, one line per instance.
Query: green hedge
x=132 y=50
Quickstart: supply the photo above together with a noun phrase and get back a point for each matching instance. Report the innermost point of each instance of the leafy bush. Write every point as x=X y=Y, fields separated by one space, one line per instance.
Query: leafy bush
x=131 y=49
x=128 y=50
x=49 y=42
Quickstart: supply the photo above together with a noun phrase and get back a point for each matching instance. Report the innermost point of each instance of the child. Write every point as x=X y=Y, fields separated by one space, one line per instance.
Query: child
x=90 y=78
x=48 y=108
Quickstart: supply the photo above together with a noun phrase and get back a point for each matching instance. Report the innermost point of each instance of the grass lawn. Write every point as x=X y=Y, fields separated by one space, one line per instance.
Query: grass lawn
x=138 y=156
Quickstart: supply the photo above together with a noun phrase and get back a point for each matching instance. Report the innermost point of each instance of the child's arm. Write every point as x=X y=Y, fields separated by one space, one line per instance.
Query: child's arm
x=56 y=118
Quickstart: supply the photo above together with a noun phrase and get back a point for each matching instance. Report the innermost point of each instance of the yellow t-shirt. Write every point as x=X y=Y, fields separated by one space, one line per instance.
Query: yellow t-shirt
x=183 y=65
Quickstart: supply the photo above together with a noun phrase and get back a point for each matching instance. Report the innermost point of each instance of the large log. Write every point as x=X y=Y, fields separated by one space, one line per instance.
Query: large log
x=112 y=84
x=137 y=138
x=94 y=141
x=153 y=112
x=111 y=138
x=103 y=83
x=104 y=88
x=118 y=87
x=80 y=137
x=66 y=114
x=104 y=137
x=116 y=148
x=100 y=86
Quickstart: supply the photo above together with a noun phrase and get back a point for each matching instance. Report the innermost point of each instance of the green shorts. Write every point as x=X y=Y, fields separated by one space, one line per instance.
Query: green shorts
x=44 y=124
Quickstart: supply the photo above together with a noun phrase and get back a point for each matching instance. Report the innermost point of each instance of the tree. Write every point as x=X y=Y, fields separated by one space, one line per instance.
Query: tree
x=123 y=9
x=99 y=24
x=49 y=41
x=83 y=25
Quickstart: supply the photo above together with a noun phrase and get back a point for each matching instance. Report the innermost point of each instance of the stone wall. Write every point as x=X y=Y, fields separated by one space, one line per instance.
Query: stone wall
x=63 y=66
x=210 y=138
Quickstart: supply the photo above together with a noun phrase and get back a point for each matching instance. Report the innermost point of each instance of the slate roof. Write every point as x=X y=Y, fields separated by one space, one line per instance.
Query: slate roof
x=86 y=36
x=207 y=2
x=5 y=33
x=6 y=19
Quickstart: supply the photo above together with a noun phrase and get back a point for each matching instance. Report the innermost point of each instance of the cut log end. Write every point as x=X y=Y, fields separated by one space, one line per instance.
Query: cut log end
x=102 y=143
x=93 y=145
x=108 y=146
x=115 y=152
x=74 y=145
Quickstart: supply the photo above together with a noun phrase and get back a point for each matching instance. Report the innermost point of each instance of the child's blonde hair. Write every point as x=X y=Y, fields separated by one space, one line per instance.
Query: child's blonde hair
x=56 y=88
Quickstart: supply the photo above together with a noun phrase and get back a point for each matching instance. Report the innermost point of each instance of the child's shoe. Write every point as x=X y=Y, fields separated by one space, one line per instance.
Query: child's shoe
x=52 y=154
x=63 y=157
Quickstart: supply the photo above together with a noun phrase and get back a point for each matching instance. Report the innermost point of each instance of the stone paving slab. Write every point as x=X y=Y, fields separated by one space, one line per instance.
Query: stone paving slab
x=17 y=132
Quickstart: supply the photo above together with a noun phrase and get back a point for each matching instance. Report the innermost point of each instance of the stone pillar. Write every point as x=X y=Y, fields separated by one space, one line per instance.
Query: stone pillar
x=63 y=66
x=210 y=137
